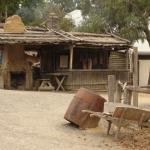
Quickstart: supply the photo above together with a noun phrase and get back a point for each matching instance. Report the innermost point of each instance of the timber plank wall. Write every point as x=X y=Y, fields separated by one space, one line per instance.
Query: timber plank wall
x=95 y=80
x=98 y=79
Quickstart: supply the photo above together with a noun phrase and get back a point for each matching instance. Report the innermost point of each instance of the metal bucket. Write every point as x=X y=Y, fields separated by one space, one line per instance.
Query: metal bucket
x=84 y=100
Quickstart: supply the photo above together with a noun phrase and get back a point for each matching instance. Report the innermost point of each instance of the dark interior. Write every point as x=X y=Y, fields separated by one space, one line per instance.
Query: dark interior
x=18 y=80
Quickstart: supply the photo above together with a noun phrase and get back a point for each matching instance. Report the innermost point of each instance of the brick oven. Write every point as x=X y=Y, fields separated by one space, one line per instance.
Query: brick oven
x=17 y=73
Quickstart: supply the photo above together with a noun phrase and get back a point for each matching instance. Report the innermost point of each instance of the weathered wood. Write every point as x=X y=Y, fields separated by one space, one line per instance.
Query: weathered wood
x=118 y=93
x=141 y=120
x=117 y=60
x=71 y=58
x=127 y=95
x=149 y=78
x=92 y=79
x=131 y=60
x=123 y=116
x=111 y=87
x=120 y=123
x=85 y=40
x=146 y=86
x=1 y=80
x=135 y=76
x=127 y=60
x=139 y=89
x=60 y=82
x=62 y=34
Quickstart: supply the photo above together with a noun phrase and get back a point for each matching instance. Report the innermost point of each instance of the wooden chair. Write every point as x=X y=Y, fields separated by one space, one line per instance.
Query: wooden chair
x=122 y=116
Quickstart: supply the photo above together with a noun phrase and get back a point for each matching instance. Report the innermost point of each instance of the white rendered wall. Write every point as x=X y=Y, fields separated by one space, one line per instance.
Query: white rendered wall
x=144 y=68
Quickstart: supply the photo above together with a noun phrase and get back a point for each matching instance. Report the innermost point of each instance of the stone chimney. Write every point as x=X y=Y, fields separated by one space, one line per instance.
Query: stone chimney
x=16 y=71
x=53 y=21
x=14 y=24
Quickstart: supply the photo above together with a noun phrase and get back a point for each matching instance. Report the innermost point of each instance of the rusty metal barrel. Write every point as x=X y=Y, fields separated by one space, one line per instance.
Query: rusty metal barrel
x=84 y=100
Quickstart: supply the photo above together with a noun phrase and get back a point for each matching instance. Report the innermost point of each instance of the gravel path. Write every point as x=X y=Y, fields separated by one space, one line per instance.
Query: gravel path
x=34 y=121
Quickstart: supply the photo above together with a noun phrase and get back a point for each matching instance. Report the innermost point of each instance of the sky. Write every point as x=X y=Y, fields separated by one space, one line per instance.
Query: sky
x=142 y=46
x=76 y=15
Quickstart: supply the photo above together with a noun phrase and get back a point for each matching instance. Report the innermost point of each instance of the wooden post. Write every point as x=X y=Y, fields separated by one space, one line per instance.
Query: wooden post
x=71 y=57
x=131 y=63
x=127 y=60
x=111 y=87
x=149 y=78
x=127 y=95
x=135 y=76
x=118 y=93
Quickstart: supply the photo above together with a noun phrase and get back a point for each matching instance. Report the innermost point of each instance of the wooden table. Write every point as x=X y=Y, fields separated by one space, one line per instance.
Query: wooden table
x=59 y=78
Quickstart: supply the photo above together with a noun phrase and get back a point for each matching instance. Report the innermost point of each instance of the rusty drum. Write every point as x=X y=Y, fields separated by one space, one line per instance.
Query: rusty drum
x=84 y=100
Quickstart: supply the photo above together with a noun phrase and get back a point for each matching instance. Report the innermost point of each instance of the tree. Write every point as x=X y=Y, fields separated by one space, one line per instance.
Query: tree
x=65 y=24
x=7 y=8
x=127 y=18
x=35 y=12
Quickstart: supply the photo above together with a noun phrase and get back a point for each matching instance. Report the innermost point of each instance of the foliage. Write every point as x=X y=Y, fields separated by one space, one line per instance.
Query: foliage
x=93 y=23
x=37 y=15
x=67 y=24
x=7 y=8
x=35 y=12
x=66 y=5
x=127 y=18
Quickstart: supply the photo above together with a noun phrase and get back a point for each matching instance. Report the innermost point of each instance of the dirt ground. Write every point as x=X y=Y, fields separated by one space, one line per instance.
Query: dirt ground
x=34 y=121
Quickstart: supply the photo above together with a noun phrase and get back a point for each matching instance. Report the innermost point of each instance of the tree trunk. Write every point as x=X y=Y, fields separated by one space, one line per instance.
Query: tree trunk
x=6 y=12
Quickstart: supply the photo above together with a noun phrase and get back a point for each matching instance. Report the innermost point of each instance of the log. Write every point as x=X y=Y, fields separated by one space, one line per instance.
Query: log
x=118 y=93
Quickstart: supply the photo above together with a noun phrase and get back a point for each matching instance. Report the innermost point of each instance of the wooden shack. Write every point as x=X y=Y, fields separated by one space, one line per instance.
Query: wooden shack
x=88 y=60
x=85 y=58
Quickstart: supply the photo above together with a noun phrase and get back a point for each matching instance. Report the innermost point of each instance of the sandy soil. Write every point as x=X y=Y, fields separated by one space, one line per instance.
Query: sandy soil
x=136 y=139
x=34 y=121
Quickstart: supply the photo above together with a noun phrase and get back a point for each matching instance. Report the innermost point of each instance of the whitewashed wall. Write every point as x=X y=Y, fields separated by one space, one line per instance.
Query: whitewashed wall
x=144 y=68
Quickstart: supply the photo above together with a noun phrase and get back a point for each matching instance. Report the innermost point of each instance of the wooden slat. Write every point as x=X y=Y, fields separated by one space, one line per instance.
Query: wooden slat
x=138 y=89
x=91 y=79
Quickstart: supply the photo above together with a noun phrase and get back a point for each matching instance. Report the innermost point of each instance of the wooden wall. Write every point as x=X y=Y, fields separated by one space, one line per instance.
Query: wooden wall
x=95 y=79
x=46 y=58
x=92 y=79
x=117 y=60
